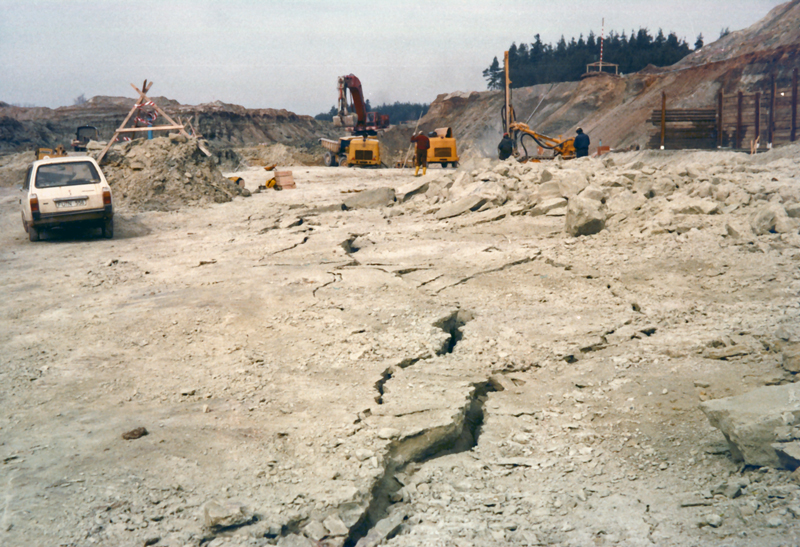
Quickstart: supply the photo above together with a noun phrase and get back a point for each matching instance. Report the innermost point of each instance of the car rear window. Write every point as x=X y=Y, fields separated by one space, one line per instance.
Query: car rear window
x=66 y=174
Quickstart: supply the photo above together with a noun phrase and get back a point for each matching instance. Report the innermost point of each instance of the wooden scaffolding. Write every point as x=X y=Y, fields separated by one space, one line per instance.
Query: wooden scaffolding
x=145 y=101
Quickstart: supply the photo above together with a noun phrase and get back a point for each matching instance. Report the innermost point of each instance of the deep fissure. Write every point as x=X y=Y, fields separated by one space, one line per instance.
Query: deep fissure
x=451 y=325
x=461 y=436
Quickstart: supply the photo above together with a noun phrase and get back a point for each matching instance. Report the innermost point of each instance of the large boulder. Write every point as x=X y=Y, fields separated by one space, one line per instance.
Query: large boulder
x=584 y=217
x=408 y=191
x=370 y=199
x=463 y=205
x=771 y=218
x=758 y=424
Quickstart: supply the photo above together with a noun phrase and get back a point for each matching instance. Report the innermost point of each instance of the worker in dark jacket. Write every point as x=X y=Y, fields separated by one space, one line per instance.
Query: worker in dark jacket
x=505 y=148
x=421 y=159
x=581 y=144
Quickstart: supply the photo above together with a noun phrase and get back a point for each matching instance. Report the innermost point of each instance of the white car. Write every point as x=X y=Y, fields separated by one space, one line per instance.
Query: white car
x=67 y=190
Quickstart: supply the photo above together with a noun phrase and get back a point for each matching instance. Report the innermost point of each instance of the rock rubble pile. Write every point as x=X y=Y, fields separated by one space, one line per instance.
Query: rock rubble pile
x=648 y=191
x=165 y=174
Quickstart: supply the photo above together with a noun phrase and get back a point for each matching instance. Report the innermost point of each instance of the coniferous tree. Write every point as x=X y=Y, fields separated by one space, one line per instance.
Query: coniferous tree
x=537 y=62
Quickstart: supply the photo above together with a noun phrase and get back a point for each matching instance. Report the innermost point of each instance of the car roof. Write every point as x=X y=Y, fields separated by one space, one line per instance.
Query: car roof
x=64 y=159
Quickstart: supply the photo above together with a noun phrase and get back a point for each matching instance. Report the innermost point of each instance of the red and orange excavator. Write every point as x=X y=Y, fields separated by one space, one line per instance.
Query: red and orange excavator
x=359 y=149
x=356 y=117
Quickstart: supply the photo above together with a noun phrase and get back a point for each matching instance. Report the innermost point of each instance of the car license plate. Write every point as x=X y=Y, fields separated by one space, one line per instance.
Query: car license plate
x=70 y=203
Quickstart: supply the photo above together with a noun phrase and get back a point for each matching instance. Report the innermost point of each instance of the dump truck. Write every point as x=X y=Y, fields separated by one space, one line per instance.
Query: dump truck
x=83 y=135
x=356 y=151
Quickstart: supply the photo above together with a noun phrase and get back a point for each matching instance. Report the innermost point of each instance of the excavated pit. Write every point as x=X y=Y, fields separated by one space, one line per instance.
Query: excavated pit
x=459 y=436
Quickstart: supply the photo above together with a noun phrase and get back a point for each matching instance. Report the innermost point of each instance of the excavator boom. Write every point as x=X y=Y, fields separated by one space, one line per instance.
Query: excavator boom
x=354 y=114
x=565 y=148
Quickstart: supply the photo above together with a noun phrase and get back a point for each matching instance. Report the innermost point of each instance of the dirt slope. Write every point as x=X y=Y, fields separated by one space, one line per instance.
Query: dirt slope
x=223 y=125
x=777 y=30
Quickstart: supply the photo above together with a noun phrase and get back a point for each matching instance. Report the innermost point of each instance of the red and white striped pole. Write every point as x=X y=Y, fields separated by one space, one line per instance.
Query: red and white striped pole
x=602 y=33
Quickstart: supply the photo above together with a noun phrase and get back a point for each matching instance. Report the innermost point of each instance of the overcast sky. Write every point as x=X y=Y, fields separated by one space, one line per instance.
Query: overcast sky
x=288 y=53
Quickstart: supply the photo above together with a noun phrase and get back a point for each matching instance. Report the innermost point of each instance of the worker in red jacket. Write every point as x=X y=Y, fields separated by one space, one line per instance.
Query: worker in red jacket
x=421 y=159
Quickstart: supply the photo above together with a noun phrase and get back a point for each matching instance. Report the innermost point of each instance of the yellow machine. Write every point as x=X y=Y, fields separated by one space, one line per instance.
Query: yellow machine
x=443 y=147
x=352 y=152
x=565 y=148
x=46 y=153
x=520 y=132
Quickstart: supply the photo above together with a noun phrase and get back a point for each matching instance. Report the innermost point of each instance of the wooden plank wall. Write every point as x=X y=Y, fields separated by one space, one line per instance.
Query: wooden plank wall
x=738 y=119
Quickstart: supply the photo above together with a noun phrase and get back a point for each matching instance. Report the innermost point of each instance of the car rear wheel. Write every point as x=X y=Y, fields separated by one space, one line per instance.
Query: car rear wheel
x=329 y=159
x=108 y=228
x=33 y=233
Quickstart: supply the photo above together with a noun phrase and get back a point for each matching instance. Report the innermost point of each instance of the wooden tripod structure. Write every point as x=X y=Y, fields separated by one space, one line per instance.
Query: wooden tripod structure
x=145 y=100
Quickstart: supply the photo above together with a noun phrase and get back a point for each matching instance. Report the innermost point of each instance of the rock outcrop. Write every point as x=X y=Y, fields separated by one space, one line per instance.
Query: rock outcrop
x=760 y=426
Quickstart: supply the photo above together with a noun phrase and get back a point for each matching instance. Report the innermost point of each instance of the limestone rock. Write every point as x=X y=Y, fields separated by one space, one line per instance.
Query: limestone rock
x=593 y=193
x=572 y=186
x=408 y=191
x=793 y=210
x=750 y=421
x=771 y=218
x=548 y=205
x=383 y=529
x=549 y=190
x=315 y=530
x=626 y=201
x=335 y=526
x=224 y=514
x=791 y=359
x=584 y=217
x=463 y=205
x=370 y=199
x=295 y=540
x=388 y=433
x=694 y=206
x=788 y=453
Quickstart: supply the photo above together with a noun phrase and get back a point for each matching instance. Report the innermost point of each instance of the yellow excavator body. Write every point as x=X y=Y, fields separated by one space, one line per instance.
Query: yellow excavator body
x=352 y=152
x=443 y=147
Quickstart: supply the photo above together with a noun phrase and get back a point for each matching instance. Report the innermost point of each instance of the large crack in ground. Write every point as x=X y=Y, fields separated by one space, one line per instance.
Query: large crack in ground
x=388 y=506
x=386 y=510
x=485 y=272
x=451 y=324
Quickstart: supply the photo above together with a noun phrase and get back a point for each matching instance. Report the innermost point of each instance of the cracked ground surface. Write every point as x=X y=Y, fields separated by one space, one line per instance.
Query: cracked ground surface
x=375 y=375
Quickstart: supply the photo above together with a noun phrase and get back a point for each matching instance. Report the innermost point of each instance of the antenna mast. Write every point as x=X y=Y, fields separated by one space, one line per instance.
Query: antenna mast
x=602 y=39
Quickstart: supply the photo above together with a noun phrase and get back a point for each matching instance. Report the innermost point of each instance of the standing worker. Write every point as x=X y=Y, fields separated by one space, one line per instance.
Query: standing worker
x=581 y=144
x=421 y=159
x=505 y=148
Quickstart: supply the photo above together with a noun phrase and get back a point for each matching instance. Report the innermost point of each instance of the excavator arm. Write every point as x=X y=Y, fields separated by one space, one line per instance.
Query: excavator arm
x=344 y=117
x=353 y=114
x=565 y=148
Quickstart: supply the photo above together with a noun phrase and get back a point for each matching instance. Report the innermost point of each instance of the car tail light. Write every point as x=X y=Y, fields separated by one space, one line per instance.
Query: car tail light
x=106 y=196
x=34 y=203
